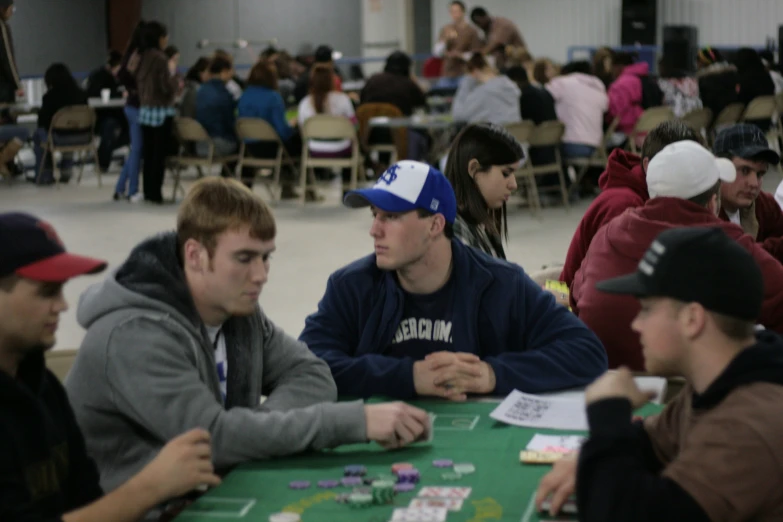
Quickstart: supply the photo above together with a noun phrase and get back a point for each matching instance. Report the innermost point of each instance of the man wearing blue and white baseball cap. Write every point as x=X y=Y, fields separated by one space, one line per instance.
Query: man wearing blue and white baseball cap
x=426 y=315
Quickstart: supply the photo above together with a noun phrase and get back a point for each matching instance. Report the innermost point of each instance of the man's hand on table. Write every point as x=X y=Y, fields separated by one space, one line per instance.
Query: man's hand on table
x=559 y=484
x=618 y=384
x=396 y=424
x=453 y=375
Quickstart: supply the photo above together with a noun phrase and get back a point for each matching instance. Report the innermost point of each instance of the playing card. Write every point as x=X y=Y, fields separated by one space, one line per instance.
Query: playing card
x=445 y=492
x=569 y=506
x=452 y=504
x=539 y=457
x=420 y=515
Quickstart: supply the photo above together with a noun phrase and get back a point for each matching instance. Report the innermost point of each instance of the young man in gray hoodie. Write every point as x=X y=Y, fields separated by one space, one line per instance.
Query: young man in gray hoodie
x=176 y=340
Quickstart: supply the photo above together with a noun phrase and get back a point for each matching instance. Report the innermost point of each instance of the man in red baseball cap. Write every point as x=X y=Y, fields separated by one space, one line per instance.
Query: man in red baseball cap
x=46 y=472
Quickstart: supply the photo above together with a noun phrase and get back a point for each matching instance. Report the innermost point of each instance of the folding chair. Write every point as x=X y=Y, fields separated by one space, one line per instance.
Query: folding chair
x=190 y=131
x=328 y=127
x=521 y=131
x=73 y=119
x=261 y=130
x=549 y=134
x=599 y=159
x=699 y=120
x=764 y=108
x=59 y=362
x=730 y=115
x=368 y=111
x=649 y=119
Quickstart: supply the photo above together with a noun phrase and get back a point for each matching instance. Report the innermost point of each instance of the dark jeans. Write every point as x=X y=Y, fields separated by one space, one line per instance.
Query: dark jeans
x=158 y=144
x=268 y=150
x=114 y=134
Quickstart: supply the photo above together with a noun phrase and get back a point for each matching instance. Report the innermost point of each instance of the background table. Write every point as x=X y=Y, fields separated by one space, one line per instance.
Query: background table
x=502 y=487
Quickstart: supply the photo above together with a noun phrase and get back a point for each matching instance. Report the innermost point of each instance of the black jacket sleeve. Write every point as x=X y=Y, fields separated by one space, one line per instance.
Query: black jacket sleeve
x=618 y=477
x=84 y=487
x=8 y=72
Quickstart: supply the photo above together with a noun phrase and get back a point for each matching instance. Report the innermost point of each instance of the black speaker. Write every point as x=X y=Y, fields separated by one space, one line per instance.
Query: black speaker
x=639 y=22
x=680 y=47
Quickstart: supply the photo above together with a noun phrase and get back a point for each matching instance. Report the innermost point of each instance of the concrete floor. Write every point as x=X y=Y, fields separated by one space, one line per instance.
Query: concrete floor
x=312 y=241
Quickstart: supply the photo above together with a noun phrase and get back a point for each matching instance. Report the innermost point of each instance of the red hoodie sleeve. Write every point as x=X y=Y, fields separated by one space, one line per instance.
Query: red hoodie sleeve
x=769 y=216
x=607 y=206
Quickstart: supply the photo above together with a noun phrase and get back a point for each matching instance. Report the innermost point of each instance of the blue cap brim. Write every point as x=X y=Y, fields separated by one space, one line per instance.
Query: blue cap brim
x=381 y=199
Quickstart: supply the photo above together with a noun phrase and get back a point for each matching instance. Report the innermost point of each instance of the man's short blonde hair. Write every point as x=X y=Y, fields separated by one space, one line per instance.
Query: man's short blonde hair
x=215 y=205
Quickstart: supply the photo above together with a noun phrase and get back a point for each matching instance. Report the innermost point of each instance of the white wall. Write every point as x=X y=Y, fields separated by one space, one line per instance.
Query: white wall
x=551 y=26
x=387 y=26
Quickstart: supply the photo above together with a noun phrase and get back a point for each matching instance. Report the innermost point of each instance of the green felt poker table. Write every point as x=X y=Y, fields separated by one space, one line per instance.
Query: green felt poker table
x=502 y=487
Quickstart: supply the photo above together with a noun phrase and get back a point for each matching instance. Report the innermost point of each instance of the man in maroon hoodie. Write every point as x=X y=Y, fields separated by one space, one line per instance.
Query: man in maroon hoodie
x=623 y=186
x=743 y=202
x=683 y=181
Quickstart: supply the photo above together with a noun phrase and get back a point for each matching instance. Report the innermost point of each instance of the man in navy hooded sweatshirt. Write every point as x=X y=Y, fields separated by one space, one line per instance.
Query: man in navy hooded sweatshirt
x=426 y=315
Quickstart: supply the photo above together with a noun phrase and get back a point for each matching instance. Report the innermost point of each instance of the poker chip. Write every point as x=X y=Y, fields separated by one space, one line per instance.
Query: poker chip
x=404 y=487
x=369 y=480
x=464 y=468
x=442 y=463
x=382 y=492
x=327 y=484
x=342 y=498
x=408 y=475
x=351 y=481
x=355 y=470
x=451 y=476
x=285 y=517
x=299 y=484
x=401 y=465
x=360 y=500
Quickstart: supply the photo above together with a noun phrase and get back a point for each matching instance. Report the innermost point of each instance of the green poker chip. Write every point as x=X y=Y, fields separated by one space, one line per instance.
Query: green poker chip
x=382 y=492
x=360 y=500
x=452 y=475
x=464 y=468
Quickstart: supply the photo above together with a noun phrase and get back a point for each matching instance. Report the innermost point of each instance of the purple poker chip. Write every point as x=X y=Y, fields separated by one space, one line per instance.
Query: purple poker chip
x=327 y=484
x=351 y=481
x=442 y=463
x=404 y=487
x=299 y=484
x=408 y=475
x=355 y=470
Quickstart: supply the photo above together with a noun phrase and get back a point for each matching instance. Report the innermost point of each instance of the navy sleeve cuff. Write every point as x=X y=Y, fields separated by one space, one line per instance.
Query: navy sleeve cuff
x=610 y=418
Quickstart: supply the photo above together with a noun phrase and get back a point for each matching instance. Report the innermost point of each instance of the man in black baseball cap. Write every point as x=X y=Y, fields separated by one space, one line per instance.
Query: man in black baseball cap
x=47 y=474
x=743 y=202
x=714 y=452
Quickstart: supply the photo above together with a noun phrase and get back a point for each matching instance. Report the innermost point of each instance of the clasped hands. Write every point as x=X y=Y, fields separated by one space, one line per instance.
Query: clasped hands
x=453 y=375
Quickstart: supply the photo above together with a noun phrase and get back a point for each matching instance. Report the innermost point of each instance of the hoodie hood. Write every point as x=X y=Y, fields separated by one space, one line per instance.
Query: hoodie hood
x=716 y=68
x=624 y=170
x=762 y=362
x=630 y=238
x=637 y=69
x=151 y=279
x=588 y=81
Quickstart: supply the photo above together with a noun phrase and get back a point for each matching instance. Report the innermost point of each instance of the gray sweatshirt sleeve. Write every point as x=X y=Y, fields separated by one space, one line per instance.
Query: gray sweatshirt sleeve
x=464 y=105
x=151 y=369
x=293 y=376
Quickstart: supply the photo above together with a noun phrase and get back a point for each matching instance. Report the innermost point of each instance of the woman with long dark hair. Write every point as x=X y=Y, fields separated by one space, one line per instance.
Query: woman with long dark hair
x=196 y=75
x=128 y=183
x=480 y=168
x=157 y=86
x=61 y=91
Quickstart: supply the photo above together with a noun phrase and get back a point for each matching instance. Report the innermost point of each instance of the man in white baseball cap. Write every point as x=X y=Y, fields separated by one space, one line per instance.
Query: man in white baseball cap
x=426 y=315
x=684 y=182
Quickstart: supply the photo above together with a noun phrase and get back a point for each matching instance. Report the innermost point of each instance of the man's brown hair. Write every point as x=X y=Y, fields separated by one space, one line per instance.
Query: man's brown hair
x=215 y=205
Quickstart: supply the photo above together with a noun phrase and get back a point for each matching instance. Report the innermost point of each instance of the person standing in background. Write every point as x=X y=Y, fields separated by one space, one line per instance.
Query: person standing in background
x=157 y=92
x=128 y=183
x=10 y=84
x=456 y=39
x=499 y=33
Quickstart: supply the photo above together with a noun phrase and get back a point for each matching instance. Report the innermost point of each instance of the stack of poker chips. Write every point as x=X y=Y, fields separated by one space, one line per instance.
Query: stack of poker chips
x=382 y=492
x=359 y=500
x=408 y=476
x=355 y=471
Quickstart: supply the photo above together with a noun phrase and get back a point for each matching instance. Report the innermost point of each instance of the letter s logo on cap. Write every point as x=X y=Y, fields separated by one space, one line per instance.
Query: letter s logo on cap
x=390 y=175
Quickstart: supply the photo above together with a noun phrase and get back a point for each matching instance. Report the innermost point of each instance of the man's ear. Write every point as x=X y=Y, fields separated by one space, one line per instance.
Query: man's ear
x=193 y=255
x=438 y=224
x=645 y=163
